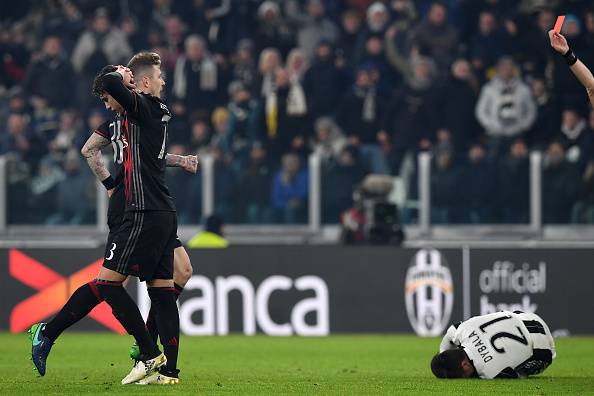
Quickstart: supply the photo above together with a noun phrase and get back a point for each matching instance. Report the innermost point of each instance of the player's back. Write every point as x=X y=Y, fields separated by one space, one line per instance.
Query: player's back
x=495 y=342
x=144 y=160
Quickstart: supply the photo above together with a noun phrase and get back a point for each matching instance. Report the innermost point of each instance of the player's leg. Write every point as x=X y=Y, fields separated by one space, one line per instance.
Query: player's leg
x=43 y=335
x=182 y=272
x=163 y=297
x=153 y=259
x=82 y=301
x=118 y=264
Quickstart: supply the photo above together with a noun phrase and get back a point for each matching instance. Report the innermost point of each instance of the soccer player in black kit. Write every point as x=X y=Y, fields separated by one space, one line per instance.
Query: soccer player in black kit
x=143 y=243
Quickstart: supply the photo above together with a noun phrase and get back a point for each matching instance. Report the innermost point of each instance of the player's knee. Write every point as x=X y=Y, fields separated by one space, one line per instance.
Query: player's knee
x=183 y=269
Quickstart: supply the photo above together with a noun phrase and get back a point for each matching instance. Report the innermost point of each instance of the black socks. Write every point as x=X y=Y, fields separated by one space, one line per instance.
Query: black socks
x=127 y=313
x=84 y=299
x=166 y=317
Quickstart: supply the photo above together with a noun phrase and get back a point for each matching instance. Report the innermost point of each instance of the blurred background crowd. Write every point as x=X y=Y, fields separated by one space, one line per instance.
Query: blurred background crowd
x=261 y=85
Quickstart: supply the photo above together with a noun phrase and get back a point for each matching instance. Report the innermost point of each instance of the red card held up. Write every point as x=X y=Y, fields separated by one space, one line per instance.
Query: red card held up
x=559 y=23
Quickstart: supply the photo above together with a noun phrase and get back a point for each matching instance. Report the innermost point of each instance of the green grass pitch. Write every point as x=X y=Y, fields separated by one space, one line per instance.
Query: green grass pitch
x=89 y=363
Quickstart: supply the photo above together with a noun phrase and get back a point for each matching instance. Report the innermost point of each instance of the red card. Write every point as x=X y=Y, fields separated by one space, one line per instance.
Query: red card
x=559 y=23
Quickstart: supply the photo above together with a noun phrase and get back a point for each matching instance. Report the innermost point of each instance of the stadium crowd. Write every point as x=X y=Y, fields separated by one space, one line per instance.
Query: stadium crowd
x=262 y=84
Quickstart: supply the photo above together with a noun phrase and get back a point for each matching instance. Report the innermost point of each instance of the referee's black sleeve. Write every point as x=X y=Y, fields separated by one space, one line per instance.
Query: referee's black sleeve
x=113 y=85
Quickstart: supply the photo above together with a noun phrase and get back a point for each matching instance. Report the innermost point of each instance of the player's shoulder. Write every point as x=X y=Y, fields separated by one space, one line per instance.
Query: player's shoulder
x=103 y=130
x=154 y=104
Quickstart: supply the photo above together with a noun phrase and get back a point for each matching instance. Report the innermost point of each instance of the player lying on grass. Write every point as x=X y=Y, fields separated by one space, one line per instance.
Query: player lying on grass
x=581 y=71
x=143 y=243
x=498 y=345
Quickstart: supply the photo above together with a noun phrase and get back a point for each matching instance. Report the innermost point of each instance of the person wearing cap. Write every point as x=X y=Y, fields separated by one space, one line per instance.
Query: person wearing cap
x=212 y=237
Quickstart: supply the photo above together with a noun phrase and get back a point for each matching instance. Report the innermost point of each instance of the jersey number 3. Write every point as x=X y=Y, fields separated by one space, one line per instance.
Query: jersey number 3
x=110 y=256
x=521 y=338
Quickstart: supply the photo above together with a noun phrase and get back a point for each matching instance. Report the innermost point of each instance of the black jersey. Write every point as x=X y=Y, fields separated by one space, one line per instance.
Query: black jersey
x=141 y=147
x=112 y=130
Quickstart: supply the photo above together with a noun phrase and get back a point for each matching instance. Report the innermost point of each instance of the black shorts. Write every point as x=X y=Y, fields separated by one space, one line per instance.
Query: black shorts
x=143 y=245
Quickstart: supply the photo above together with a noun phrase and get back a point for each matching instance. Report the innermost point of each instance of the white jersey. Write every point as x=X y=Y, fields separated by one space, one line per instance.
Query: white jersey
x=503 y=344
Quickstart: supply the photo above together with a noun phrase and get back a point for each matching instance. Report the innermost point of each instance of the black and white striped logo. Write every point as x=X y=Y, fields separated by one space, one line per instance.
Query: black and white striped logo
x=429 y=293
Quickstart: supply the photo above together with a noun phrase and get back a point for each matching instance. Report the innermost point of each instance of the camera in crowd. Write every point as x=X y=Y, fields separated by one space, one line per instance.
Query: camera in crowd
x=373 y=219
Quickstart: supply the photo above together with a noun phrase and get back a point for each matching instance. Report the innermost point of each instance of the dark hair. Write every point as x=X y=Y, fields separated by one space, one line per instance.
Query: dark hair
x=98 y=88
x=448 y=364
x=214 y=224
x=143 y=60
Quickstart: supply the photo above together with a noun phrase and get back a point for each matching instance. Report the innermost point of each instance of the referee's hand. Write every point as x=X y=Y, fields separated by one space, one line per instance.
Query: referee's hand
x=558 y=42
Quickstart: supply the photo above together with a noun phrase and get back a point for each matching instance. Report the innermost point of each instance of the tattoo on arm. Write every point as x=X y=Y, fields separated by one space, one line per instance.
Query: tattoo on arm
x=92 y=153
x=173 y=160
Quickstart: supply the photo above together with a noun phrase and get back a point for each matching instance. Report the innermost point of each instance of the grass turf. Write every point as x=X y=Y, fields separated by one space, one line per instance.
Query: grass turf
x=371 y=364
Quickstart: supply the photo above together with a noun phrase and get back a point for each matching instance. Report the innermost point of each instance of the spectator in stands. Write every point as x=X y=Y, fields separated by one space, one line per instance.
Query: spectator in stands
x=75 y=194
x=18 y=183
x=270 y=60
x=184 y=187
x=576 y=138
x=134 y=34
x=242 y=124
x=174 y=34
x=478 y=197
x=273 y=30
x=411 y=120
x=220 y=125
x=436 y=37
x=243 y=64
x=487 y=44
x=373 y=56
x=315 y=26
x=196 y=77
x=329 y=141
x=583 y=210
x=505 y=108
x=255 y=183
x=457 y=103
x=547 y=115
x=377 y=21
x=350 y=29
x=212 y=237
x=339 y=181
x=15 y=55
x=16 y=138
x=100 y=44
x=296 y=68
x=359 y=114
x=560 y=186
x=324 y=82
x=446 y=179
x=513 y=197
x=47 y=74
x=69 y=134
x=285 y=115
x=224 y=183
x=289 y=191
x=398 y=38
x=200 y=138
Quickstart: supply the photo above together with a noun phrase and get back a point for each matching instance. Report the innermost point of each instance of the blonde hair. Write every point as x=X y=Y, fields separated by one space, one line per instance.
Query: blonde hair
x=219 y=115
x=266 y=54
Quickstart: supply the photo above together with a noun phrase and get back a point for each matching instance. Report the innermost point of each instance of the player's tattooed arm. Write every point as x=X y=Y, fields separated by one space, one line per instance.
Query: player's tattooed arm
x=189 y=163
x=92 y=153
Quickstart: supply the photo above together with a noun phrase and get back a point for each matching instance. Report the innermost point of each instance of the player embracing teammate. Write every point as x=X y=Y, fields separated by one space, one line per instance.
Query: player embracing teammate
x=142 y=221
